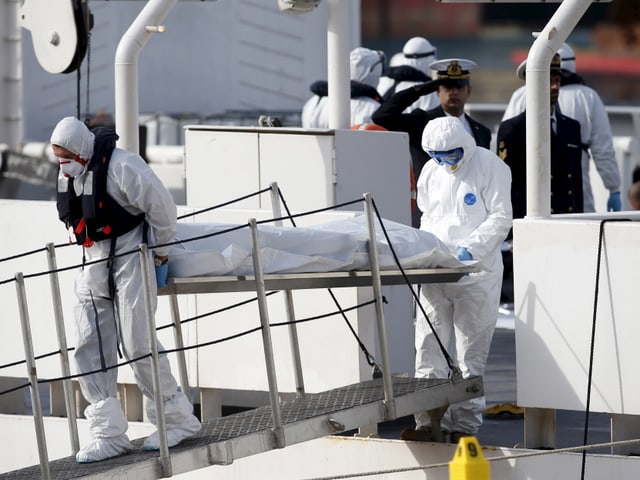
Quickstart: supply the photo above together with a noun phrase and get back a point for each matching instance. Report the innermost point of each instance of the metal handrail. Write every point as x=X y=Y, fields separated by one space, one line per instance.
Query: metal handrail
x=67 y=385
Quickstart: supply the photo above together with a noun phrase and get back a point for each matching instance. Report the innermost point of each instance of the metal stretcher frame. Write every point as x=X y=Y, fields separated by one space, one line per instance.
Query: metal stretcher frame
x=262 y=283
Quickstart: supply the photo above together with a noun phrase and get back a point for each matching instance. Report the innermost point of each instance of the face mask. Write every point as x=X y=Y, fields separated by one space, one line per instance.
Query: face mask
x=72 y=168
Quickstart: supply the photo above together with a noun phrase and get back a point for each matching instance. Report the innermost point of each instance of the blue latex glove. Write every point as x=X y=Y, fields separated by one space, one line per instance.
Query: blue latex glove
x=614 y=204
x=161 y=275
x=463 y=254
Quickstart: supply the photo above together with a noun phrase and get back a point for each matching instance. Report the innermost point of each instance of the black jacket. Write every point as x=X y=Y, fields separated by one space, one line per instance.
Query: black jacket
x=566 y=163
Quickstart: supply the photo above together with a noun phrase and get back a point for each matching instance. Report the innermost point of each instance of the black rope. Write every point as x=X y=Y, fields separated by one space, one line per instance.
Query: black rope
x=174 y=350
x=39 y=357
x=593 y=337
x=78 y=83
x=446 y=355
x=214 y=312
x=220 y=205
x=88 y=93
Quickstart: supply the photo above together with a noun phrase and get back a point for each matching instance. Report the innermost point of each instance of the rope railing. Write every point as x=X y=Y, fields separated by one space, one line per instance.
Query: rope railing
x=289 y=217
x=175 y=350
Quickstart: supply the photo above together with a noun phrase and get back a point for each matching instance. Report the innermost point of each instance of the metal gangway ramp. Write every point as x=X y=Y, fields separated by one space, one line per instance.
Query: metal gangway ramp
x=308 y=416
x=224 y=439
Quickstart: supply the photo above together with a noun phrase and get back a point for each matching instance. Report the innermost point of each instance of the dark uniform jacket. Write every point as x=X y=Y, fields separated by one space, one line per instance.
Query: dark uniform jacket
x=566 y=163
x=390 y=116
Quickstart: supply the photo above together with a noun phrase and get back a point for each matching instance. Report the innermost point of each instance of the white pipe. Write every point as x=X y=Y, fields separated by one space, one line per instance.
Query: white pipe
x=126 y=69
x=538 y=109
x=11 y=121
x=338 y=74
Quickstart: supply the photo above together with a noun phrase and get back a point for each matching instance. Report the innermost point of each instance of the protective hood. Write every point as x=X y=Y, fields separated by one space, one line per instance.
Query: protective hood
x=419 y=54
x=366 y=66
x=447 y=133
x=567 y=58
x=72 y=134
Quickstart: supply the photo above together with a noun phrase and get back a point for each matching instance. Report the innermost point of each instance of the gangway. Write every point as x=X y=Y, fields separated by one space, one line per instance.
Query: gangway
x=224 y=439
x=308 y=416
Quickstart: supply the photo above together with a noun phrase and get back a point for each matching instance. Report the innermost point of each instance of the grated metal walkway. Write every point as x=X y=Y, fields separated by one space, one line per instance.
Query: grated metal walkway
x=312 y=416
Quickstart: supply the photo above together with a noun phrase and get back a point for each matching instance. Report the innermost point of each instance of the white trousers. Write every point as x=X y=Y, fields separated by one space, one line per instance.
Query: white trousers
x=464 y=316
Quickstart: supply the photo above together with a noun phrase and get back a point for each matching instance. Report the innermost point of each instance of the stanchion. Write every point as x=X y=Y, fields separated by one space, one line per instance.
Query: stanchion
x=33 y=377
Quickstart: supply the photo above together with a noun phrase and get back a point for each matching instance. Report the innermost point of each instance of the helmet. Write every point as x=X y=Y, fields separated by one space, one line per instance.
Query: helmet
x=419 y=53
x=567 y=58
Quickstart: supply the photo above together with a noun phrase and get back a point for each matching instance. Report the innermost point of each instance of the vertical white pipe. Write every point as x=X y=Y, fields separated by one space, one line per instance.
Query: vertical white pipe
x=11 y=117
x=126 y=70
x=538 y=110
x=338 y=75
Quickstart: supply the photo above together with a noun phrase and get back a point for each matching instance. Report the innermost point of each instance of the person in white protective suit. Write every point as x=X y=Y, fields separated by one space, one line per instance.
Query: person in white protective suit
x=583 y=104
x=113 y=319
x=465 y=197
x=411 y=68
x=366 y=66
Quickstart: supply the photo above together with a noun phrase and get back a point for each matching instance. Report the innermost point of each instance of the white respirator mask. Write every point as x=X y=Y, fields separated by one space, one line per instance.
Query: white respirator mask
x=72 y=167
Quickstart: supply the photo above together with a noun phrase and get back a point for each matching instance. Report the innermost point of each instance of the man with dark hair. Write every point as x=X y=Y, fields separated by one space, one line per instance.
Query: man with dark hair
x=582 y=103
x=566 y=155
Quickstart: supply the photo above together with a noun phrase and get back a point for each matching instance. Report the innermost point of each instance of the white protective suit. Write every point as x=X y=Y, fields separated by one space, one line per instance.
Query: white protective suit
x=468 y=206
x=419 y=54
x=365 y=67
x=583 y=104
x=134 y=185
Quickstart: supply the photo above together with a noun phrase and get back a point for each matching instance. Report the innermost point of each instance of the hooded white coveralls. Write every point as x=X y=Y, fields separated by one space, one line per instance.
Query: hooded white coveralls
x=365 y=67
x=465 y=205
x=134 y=185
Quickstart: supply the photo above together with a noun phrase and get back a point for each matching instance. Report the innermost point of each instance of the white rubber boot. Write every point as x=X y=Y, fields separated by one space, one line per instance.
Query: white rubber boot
x=107 y=426
x=180 y=421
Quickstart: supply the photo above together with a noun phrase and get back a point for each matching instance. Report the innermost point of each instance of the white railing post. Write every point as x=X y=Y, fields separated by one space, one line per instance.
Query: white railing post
x=145 y=265
x=179 y=341
x=288 y=294
x=377 y=293
x=266 y=338
x=67 y=385
x=33 y=377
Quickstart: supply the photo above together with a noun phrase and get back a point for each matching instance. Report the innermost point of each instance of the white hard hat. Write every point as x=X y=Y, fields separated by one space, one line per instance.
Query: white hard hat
x=396 y=60
x=418 y=47
x=567 y=58
x=72 y=134
x=419 y=53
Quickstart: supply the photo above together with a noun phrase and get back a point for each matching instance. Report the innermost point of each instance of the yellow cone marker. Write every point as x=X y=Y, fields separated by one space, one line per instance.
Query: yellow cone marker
x=468 y=462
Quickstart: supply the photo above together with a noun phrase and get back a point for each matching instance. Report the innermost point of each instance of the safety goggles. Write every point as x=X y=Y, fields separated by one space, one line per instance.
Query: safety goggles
x=448 y=157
